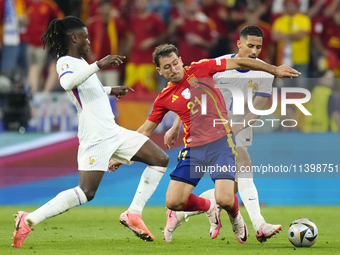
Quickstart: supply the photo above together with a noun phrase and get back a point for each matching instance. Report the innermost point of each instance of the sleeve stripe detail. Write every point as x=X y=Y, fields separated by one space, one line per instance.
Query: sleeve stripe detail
x=78 y=196
x=76 y=94
x=262 y=94
x=64 y=74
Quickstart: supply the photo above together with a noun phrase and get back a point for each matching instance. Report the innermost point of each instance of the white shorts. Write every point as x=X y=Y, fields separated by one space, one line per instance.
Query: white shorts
x=244 y=138
x=121 y=147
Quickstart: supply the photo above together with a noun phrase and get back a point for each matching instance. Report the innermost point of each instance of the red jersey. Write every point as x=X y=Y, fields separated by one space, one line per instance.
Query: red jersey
x=40 y=14
x=191 y=52
x=144 y=28
x=186 y=100
x=2 y=3
x=103 y=41
x=215 y=11
x=329 y=32
x=176 y=11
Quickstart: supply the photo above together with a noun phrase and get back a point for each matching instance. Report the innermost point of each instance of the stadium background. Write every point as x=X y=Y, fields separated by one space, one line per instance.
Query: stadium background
x=38 y=146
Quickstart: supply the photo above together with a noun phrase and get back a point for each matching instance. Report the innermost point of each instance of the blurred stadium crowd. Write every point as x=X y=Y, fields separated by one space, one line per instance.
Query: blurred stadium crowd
x=304 y=34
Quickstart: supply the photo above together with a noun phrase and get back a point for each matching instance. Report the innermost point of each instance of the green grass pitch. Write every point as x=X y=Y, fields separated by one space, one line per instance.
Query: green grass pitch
x=96 y=230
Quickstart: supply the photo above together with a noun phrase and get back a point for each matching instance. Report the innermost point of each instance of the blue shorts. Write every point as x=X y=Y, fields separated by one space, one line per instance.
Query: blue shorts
x=217 y=158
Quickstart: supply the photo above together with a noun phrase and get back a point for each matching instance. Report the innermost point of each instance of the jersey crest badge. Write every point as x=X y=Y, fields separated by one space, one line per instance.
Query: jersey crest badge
x=91 y=160
x=64 y=67
x=186 y=93
x=193 y=81
x=253 y=86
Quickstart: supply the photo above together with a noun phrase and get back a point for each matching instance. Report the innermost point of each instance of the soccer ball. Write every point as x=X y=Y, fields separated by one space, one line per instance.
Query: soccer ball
x=302 y=232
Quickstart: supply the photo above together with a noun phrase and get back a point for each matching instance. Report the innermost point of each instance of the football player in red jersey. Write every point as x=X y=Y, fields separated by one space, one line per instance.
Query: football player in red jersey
x=206 y=145
x=250 y=45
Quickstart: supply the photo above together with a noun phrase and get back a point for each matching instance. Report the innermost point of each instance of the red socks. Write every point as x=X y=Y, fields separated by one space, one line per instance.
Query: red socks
x=234 y=210
x=196 y=203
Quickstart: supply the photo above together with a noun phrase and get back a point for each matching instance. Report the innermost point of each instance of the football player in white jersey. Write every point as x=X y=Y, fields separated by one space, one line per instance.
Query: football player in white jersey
x=100 y=138
x=249 y=45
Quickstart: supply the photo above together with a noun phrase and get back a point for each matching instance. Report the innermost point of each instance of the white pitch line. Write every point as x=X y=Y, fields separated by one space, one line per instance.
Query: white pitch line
x=37 y=143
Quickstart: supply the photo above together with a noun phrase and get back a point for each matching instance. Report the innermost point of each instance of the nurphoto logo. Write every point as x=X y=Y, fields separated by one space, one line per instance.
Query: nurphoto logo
x=238 y=105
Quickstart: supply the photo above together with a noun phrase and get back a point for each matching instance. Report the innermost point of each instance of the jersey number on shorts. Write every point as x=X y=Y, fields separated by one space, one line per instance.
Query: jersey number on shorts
x=184 y=153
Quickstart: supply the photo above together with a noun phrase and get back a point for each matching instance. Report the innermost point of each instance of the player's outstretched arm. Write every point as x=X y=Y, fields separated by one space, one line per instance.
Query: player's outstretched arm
x=71 y=80
x=114 y=60
x=252 y=64
x=119 y=91
x=172 y=134
x=147 y=128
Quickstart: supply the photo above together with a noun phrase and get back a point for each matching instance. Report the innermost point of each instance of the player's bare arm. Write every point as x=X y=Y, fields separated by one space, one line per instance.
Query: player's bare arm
x=252 y=64
x=113 y=60
x=259 y=103
x=147 y=128
x=113 y=165
x=119 y=91
x=171 y=136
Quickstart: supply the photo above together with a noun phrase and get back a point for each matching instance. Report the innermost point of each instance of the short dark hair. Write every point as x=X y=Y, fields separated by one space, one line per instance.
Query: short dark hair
x=56 y=36
x=251 y=30
x=163 y=50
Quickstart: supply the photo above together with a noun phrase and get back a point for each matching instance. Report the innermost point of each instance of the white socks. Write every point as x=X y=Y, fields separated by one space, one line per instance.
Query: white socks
x=61 y=203
x=73 y=197
x=147 y=186
x=249 y=196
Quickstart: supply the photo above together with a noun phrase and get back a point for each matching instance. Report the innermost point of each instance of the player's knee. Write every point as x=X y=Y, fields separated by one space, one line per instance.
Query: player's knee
x=226 y=202
x=90 y=194
x=174 y=205
x=162 y=160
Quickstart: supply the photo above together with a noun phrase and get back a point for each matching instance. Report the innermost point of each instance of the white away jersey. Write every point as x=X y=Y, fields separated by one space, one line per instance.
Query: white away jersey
x=96 y=120
x=260 y=82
